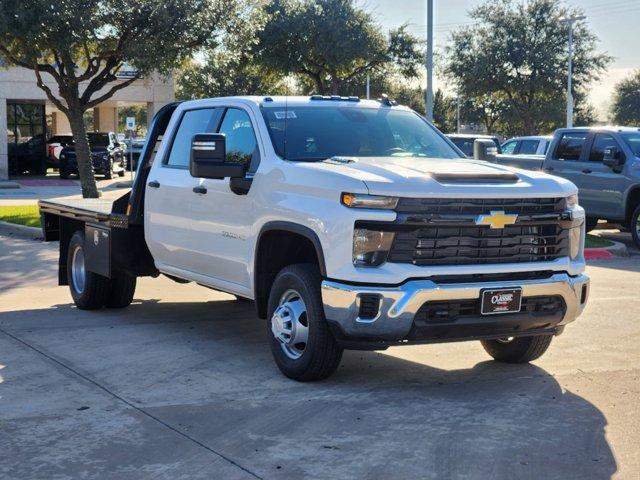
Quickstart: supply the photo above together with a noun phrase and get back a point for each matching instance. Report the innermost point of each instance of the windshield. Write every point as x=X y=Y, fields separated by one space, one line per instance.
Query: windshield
x=318 y=133
x=633 y=140
x=98 y=139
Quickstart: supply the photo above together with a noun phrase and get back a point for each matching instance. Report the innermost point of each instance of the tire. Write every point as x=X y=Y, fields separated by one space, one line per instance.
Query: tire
x=591 y=223
x=121 y=173
x=108 y=173
x=121 y=291
x=321 y=355
x=634 y=226
x=88 y=290
x=518 y=350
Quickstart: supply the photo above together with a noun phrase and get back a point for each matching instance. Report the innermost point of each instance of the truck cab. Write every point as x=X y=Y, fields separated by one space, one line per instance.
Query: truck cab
x=351 y=224
x=604 y=163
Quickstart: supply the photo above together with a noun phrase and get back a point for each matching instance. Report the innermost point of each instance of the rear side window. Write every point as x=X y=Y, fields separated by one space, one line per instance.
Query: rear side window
x=528 y=147
x=204 y=120
x=600 y=142
x=509 y=147
x=571 y=145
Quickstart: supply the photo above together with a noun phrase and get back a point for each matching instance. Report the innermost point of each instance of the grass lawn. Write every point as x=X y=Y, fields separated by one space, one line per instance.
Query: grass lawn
x=21 y=214
x=593 y=241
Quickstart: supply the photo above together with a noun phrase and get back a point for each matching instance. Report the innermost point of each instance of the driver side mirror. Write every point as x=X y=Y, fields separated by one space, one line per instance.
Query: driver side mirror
x=613 y=158
x=209 y=158
x=484 y=149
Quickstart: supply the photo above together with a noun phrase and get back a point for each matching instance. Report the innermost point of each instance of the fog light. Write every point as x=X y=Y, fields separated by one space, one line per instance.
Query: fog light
x=371 y=247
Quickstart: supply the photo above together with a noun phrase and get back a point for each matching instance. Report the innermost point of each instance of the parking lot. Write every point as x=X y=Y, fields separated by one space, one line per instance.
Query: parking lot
x=181 y=385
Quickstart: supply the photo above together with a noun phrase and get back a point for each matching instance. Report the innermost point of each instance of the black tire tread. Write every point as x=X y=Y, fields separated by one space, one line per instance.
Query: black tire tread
x=632 y=226
x=121 y=292
x=519 y=350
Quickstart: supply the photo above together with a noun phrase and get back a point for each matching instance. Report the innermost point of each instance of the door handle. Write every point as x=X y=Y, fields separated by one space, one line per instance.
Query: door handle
x=199 y=189
x=587 y=170
x=154 y=184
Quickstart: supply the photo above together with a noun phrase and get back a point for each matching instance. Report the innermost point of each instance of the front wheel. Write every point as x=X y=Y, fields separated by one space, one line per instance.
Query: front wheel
x=634 y=226
x=517 y=350
x=302 y=345
x=591 y=224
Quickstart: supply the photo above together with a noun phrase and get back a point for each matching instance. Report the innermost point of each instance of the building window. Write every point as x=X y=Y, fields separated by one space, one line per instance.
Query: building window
x=26 y=142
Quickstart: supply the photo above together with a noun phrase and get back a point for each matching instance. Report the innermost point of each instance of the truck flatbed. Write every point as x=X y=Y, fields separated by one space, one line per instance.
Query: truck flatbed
x=94 y=210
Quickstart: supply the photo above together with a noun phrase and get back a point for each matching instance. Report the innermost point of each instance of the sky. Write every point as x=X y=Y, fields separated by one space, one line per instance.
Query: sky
x=615 y=22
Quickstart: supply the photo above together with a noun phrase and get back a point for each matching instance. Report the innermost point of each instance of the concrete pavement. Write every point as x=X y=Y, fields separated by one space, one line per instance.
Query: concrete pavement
x=182 y=385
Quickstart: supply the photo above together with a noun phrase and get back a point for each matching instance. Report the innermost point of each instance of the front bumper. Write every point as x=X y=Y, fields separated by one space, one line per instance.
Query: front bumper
x=399 y=305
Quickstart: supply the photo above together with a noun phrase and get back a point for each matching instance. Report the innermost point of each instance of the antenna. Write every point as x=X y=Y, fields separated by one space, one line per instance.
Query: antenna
x=286 y=117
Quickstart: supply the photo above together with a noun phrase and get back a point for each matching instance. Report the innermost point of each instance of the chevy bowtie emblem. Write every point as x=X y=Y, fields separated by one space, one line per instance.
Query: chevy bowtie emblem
x=496 y=219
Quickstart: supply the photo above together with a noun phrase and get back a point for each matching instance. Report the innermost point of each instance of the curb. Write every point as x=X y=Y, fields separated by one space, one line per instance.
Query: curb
x=603 y=253
x=8 y=185
x=20 y=231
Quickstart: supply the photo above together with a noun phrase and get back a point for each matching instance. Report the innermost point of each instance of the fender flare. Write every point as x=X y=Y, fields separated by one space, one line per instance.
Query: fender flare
x=285 y=226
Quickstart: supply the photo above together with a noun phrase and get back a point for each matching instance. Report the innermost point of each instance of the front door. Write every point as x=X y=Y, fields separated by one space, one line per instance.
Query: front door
x=169 y=195
x=222 y=219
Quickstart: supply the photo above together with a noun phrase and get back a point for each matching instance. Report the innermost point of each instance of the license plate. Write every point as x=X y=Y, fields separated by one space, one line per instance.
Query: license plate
x=501 y=300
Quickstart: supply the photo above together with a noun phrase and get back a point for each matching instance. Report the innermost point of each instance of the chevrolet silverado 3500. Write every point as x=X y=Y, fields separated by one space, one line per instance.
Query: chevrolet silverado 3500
x=351 y=224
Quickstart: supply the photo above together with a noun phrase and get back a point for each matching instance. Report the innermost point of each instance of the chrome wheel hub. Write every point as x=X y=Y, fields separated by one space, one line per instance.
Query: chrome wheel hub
x=638 y=226
x=78 y=273
x=289 y=324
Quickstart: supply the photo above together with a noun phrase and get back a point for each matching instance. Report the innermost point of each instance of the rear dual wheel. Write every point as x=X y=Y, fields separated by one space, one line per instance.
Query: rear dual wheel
x=91 y=291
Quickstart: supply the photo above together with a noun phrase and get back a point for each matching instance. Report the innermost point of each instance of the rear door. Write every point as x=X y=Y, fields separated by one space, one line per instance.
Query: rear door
x=567 y=159
x=600 y=184
x=169 y=193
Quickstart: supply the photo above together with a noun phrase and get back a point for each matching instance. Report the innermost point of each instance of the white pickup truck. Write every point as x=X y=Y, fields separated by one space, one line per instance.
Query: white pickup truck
x=351 y=224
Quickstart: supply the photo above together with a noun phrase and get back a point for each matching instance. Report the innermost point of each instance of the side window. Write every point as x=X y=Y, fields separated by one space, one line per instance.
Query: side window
x=509 y=147
x=600 y=142
x=240 y=138
x=529 y=147
x=204 y=120
x=571 y=145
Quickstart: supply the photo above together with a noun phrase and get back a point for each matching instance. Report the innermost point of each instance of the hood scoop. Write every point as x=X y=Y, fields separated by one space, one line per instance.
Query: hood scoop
x=341 y=160
x=475 y=177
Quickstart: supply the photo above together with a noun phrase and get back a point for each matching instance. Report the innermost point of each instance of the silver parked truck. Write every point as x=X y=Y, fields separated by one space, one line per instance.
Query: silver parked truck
x=351 y=224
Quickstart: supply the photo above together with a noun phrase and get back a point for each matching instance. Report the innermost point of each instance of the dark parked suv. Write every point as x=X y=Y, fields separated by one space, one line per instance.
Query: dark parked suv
x=107 y=156
x=604 y=163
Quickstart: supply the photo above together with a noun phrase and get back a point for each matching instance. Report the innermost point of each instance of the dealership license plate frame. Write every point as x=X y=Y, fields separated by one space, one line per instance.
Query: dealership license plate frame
x=485 y=300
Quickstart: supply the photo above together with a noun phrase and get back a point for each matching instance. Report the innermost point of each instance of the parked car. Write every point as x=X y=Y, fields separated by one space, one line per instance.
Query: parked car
x=532 y=145
x=55 y=145
x=351 y=224
x=133 y=153
x=28 y=156
x=603 y=162
x=465 y=141
x=107 y=156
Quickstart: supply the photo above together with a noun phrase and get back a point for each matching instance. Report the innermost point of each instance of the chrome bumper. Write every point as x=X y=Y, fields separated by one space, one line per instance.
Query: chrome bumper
x=399 y=305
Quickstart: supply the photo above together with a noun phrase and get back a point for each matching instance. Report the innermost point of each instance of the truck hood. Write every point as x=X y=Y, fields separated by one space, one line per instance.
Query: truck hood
x=432 y=177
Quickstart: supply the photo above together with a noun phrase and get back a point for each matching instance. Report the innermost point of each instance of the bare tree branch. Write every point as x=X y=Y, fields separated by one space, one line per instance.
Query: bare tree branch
x=49 y=93
x=111 y=91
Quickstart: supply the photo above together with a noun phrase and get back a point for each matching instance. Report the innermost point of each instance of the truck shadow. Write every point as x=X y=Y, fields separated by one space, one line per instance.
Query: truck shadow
x=206 y=367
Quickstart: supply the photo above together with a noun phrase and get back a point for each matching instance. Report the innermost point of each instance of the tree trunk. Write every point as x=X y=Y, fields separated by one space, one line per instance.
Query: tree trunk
x=83 y=152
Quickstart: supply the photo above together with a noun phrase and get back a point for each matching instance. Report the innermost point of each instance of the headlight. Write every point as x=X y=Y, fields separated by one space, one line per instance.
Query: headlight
x=358 y=200
x=371 y=247
x=572 y=201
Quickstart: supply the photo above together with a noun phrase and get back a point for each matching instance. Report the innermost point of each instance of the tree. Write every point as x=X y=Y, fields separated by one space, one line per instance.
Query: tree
x=82 y=45
x=332 y=43
x=516 y=53
x=626 y=101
